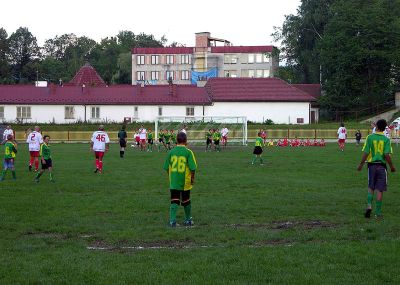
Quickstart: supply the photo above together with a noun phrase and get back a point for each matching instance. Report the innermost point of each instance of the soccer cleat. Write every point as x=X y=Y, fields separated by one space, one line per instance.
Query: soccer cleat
x=367 y=213
x=96 y=170
x=172 y=224
x=188 y=223
x=52 y=181
x=30 y=167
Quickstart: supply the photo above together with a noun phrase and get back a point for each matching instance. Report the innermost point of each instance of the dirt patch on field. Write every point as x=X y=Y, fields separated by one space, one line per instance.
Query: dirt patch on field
x=125 y=245
x=45 y=234
x=285 y=225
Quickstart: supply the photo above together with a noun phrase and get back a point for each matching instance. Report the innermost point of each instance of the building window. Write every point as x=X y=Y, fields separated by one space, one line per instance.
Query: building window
x=185 y=74
x=136 y=112
x=95 y=113
x=266 y=57
x=140 y=75
x=185 y=59
x=154 y=59
x=1 y=112
x=154 y=75
x=251 y=73
x=259 y=73
x=266 y=72
x=24 y=112
x=160 y=111
x=69 y=112
x=190 y=111
x=250 y=58
x=230 y=59
x=170 y=59
x=140 y=60
x=259 y=58
x=169 y=74
x=300 y=120
x=230 y=73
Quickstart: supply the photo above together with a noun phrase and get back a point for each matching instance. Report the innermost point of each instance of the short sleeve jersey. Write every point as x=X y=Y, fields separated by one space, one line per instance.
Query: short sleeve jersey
x=34 y=140
x=172 y=137
x=142 y=134
x=259 y=142
x=160 y=135
x=100 y=139
x=376 y=146
x=150 y=135
x=167 y=136
x=180 y=162
x=9 y=150
x=45 y=151
x=217 y=136
x=342 y=132
x=122 y=135
x=224 y=132
x=208 y=135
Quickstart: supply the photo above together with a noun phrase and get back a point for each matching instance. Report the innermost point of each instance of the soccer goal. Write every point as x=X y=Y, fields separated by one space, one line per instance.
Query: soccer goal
x=197 y=126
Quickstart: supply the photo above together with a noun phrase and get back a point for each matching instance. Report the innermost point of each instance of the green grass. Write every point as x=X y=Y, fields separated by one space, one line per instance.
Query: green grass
x=296 y=220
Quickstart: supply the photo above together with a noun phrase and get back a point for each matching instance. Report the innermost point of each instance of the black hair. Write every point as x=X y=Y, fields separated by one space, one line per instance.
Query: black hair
x=381 y=125
x=342 y=124
x=181 y=138
x=46 y=136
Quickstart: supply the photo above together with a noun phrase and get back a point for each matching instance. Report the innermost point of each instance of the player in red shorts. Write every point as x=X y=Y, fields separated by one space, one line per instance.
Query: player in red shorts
x=342 y=136
x=34 y=139
x=99 y=145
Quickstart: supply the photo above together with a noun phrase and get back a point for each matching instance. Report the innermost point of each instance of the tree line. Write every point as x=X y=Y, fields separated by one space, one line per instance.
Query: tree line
x=351 y=47
x=23 y=61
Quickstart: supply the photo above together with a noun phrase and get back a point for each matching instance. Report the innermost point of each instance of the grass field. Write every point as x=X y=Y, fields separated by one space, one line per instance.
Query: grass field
x=296 y=220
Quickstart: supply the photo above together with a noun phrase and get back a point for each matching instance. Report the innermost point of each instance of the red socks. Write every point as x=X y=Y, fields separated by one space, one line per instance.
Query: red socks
x=36 y=165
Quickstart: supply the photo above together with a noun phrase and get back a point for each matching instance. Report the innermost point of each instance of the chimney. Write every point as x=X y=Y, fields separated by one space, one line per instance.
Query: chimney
x=172 y=89
x=202 y=40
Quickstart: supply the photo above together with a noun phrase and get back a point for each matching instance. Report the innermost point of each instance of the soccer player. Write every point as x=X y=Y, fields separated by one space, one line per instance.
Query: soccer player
x=7 y=131
x=172 y=138
x=10 y=150
x=150 y=141
x=183 y=130
x=209 y=135
x=216 y=139
x=180 y=165
x=342 y=136
x=34 y=140
x=258 y=149
x=224 y=133
x=376 y=152
x=99 y=144
x=45 y=154
x=161 y=140
x=167 y=137
x=358 y=137
x=122 y=135
x=263 y=135
x=143 y=137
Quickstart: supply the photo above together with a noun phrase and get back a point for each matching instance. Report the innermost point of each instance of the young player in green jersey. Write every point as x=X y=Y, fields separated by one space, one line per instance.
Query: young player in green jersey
x=167 y=138
x=150 y=141
x=161 y=140
x=122 y=135
x=258 y=149
x=216 y=139
x=45 y=154
x=180 y=166
x=10 y=151
x=172 y=138
x=376 y=152
x=209 y=135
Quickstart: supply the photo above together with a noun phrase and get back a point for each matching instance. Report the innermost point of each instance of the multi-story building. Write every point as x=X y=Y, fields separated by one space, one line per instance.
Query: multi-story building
x=191 y=65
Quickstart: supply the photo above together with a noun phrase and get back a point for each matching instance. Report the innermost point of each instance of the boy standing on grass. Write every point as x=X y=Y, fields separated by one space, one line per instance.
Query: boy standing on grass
x=122 y=136
x=258 y=149
x=150 y=140
x=342 y=136
x=45 y=154
x=376 y=152
x=10 y=150
x=99 y=145
x=180 y=166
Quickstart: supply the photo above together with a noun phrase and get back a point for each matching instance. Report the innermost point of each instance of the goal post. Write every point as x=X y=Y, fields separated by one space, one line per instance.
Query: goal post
x=197 y=126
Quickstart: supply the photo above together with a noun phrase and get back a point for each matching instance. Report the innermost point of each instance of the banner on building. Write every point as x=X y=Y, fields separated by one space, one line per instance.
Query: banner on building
x=203 y=76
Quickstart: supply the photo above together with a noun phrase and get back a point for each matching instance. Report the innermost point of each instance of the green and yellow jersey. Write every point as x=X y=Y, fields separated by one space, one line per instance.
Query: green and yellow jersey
x=150 y=135
x=259 y=142
x=45 y=151
x=167 y=136
x=160 y=135
x=10 y=151
x=180 y=163
x=376 y=146
x=208 y=135
x=173 y=138
x=217 y=136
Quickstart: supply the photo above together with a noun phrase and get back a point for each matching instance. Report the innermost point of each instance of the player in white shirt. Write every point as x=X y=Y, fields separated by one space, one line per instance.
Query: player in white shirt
x=224 y=133
x=143 y=138
x=7 y=131
x=99 y=145
x=34 y=139
x=387 y=132
x=183 y=130
x=342 y=136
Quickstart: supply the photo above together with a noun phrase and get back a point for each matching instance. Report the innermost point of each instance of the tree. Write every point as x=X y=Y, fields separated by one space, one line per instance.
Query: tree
x=5 y=70
x=23 y=50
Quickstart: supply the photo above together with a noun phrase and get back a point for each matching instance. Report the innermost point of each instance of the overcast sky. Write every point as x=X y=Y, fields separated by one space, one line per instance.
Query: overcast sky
x=247 y=22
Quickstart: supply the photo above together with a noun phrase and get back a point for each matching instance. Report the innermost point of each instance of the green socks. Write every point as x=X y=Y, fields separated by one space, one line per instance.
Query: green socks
x=261 y=161
x=188 y=212
x=51 y=176
x=369 y=199
x=172 y=212
x=254 y=159
x=378 y=210
x=3 y=174
x=14 y=176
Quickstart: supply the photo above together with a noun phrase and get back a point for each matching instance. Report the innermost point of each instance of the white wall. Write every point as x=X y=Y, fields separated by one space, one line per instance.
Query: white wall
x=278 y=112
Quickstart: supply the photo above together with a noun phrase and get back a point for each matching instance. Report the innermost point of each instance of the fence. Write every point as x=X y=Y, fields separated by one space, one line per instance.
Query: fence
x=196 y=135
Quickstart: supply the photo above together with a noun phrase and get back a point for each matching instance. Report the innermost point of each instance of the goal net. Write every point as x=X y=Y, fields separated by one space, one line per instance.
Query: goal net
x=197 y=126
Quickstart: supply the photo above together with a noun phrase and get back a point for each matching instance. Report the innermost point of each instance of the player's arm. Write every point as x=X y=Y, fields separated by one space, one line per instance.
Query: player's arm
x=107 y=146
x=389 y=161
x=363 y=158
x=41 y=154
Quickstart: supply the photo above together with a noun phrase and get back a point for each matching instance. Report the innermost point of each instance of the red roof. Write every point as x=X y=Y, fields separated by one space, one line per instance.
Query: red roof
x=163 y=50
x=254 y=90
x=312 y=89
x=113 y=95
x=87 y=76
x=241 y=49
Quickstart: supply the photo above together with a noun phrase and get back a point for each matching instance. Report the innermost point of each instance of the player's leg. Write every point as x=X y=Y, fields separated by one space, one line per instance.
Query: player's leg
x=12 y=167
x=175 y=202
x=371 y=189
x=4 y=172
x=37 y=161
x=31 y=160
x=381 y=186
x=101 y=155
x=51 y=174
x=187 y=206
x=40 y=173
x=261 y=160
